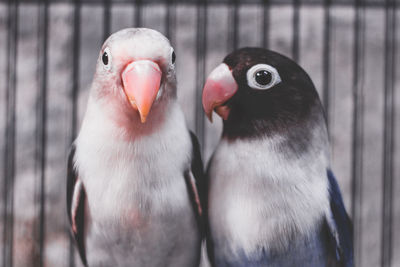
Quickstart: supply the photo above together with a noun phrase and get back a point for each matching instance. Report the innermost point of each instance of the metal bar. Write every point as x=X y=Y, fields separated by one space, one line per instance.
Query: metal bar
x=266 y=21
x=41 y=122
x=327 y=60
x=74 y=94
x=296 y=30
x=388 y=140
x=233 y=40
x=370 y=3
x=138 y=14
x=358 y=126
x=170 y=22
x=9 y=155
x=201 y=48
x=106 y=19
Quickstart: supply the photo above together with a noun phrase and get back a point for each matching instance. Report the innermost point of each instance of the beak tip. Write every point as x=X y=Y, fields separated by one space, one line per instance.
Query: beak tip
x=143 y=118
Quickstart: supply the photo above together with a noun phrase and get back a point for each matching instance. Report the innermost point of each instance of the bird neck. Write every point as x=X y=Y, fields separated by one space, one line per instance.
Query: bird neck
x=299 y=134
x=122 y=121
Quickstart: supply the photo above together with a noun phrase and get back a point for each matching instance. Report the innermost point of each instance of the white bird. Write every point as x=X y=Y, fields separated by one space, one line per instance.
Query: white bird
x=131 y=190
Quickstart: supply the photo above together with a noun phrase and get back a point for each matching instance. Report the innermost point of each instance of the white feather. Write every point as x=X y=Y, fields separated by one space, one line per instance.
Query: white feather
x=260 y=197
x=136 y=191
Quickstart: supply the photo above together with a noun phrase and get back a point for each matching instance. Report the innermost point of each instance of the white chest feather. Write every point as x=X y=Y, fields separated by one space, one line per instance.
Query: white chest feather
x=260 y=197
x=136 y=192
x=146 y=168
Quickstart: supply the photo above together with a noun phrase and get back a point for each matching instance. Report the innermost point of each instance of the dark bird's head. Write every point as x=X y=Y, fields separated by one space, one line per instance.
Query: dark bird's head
x=260 y=92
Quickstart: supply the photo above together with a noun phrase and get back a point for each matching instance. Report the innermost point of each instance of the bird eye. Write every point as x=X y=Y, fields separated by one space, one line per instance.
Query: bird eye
x=106 y=58
x=173 y=57
x=262 y=77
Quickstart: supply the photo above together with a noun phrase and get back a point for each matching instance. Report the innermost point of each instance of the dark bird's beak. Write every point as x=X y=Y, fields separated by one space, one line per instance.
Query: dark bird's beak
x=219 y=88
x=141 y=80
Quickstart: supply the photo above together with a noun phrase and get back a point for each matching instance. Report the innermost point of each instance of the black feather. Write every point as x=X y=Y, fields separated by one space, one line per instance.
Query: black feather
x=341 y=232
x=79 y=215
x=199 y=190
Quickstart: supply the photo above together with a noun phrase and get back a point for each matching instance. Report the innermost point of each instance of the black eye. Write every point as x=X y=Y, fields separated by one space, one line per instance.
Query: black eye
x=105 y=58
x=263 y=77
x=173 y=57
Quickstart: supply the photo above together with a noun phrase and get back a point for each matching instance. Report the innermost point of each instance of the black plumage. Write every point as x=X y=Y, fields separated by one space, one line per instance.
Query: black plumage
x=76 y=216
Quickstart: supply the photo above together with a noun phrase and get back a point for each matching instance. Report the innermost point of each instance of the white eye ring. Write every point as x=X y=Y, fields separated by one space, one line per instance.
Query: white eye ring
x=109 y=58
x=251 y=77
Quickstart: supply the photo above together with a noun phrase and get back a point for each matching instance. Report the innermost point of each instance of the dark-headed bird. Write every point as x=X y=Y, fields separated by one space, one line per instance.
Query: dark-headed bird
x=131 y=192
x=272 y=197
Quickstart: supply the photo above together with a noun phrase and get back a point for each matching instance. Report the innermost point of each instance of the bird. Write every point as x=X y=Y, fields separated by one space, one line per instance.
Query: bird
x=133 y=169
x=272 y=198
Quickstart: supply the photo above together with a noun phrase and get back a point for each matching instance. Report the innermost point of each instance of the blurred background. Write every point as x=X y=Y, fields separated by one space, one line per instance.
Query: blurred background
x=48 y=51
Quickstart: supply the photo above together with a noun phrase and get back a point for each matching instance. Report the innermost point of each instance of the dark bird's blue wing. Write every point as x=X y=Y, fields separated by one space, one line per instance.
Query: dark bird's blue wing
x=76 y=198
x=340 y=227
x=195 y=182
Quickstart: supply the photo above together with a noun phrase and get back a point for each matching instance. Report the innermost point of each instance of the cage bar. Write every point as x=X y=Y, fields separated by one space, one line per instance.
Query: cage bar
x=233 y=28
x=9 y=156
x=266 y=22
x=296 y=30
x=74 y=95
x=170 y=21
x=138 y=13
x=41 y=122
x=106 y=18
x=358 y=126
x=327 y=60
x=388 y=140
x=201 y=45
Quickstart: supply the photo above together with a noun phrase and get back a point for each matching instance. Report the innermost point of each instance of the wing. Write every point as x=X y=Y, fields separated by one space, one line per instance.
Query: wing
x=209 y=240
x=195 y=182
x=340 y=226
x=76 y=197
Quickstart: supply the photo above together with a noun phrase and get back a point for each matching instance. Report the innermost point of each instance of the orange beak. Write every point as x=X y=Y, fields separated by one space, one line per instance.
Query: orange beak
x=219 y=88
x=141 y=80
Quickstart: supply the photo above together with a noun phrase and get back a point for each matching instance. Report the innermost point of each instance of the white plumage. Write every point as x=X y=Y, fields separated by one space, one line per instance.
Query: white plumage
x=137 y=209
x=265 y=196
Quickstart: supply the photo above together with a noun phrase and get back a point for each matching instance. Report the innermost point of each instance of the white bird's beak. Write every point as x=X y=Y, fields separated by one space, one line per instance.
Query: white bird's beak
x=141 y=80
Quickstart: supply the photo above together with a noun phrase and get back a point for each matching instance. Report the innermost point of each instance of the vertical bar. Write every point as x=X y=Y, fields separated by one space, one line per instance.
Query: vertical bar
x=266 y=21
x=41 y=122
x=9 y=153
x=358 y=126
x=170 y=20
x=201 y=48
x=106 y=19
x=296 y=30
x=233 y=40
x=74 y=95
x=327 y=59
x=388 y=139
x=138 y=14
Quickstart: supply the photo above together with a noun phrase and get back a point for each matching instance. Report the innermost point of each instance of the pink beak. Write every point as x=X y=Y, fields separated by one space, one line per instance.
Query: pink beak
x=141 y=80
x=219 y=88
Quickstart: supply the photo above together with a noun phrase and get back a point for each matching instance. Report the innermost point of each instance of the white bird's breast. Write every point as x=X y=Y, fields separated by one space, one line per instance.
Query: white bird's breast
x=136 y=191
x=259 y=198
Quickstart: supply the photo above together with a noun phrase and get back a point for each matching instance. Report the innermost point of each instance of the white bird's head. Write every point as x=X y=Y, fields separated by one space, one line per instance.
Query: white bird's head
x=135 y=71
